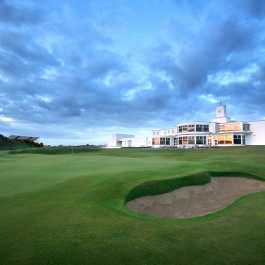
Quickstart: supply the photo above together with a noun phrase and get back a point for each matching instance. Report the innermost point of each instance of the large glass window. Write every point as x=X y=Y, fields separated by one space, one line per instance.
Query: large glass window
x=221 y=127
x=185 y=140
x=164 y=141
x=223 y=139
x=246 y=127
x=155 y=141
x=200 y=139
x=191 y=140
x=191 y=128
x=220 y=139
x=237 y=139
x=180 y=128
x=229 y=127
x=198 y=128
x=206 y=128
x=184 y=128
x=228 y=139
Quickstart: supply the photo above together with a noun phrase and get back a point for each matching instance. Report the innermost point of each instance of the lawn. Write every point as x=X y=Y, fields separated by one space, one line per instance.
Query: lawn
x=69 y=209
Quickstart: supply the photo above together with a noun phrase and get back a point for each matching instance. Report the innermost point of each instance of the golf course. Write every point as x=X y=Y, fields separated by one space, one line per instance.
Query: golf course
x=62 y=206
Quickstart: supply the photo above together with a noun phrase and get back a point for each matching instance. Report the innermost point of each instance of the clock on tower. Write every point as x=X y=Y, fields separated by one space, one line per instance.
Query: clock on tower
x=220 y=111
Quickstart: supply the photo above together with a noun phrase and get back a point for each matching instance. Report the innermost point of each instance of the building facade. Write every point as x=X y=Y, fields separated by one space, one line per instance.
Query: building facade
x=221 y=131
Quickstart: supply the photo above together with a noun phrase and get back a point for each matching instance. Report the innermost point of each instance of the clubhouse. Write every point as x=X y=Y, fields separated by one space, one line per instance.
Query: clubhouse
x=221 y=131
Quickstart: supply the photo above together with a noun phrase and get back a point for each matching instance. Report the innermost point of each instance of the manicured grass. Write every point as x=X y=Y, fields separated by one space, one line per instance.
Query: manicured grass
x=69 y=209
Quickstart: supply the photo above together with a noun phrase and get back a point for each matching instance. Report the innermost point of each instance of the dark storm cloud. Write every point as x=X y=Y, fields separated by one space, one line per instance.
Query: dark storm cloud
x=14 y=15
x=100 y=63
x=206 y=54
x=253 y=8
x=65 y=66
x=19 y=45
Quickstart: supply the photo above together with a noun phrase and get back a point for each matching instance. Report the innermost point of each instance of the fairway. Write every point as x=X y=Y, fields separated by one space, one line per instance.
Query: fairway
x=70 y=209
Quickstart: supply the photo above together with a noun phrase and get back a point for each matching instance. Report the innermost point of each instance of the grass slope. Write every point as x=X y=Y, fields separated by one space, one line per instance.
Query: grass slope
x=69 y=209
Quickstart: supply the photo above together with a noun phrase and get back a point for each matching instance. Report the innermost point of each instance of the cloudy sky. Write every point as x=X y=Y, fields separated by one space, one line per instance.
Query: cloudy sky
x=74 y=72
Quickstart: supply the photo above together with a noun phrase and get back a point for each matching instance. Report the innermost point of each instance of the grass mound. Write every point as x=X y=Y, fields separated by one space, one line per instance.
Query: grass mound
x=163 y=186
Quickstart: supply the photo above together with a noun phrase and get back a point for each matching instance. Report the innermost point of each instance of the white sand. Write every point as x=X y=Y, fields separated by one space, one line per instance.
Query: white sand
x=192 y=201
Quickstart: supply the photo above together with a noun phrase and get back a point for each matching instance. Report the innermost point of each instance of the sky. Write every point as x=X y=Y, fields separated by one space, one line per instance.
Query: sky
x=75 y=72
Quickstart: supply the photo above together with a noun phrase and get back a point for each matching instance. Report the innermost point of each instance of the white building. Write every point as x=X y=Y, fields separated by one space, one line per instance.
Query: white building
x=137 y=142
x=222 y=131
x=116 y=139
x=128 y=140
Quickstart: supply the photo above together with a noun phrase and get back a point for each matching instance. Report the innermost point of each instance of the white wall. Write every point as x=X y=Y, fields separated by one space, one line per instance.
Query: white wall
x=139 y=142
x=257 y=137
x=115 y=140
x=212 y=127
x=136 y=142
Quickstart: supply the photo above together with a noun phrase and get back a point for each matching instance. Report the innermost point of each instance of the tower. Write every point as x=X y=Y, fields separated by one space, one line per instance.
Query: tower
x=220 y=114
x=220 y=111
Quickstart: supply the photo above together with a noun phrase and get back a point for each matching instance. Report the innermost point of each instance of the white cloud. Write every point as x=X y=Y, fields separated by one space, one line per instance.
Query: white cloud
x=209 y=98
x=5 y=119
x=225 y=78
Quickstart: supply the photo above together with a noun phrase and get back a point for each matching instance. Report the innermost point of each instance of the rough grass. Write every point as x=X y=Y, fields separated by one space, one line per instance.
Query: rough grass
x=55 y=150
x=69 y=209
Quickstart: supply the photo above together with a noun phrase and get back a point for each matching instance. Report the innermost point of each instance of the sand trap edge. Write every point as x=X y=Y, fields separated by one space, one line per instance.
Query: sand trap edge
x=160 y=187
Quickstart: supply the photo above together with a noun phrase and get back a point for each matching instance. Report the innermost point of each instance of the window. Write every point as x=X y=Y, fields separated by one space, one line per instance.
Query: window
x=164 y=141
x=200 y=139
x=180 y=128
x=237 y=139
x=221 y=127
x=206 y=128
x=184 y=128
x=180 y=140
x=175 y=141
x=155 y=141
x=190 y=128
x=228 y=139
x=191 y=140
x=223 y=139
x=220 y=139
x=185 y=140
x=246 y=127
x=229 y=127
x=198 y=128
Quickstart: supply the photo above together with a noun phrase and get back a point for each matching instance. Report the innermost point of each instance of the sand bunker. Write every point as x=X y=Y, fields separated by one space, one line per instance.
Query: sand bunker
x=198 y=200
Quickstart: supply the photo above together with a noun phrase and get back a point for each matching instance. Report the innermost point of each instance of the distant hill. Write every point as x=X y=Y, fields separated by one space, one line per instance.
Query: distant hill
x=8 y=144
